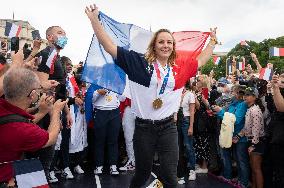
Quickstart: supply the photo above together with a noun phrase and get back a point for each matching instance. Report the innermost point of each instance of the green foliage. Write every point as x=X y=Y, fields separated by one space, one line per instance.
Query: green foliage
x=219 y=70
x=260 y=49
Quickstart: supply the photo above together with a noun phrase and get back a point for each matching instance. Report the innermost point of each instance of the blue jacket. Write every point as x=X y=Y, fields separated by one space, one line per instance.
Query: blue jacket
x=88 y=102
x=239 y=108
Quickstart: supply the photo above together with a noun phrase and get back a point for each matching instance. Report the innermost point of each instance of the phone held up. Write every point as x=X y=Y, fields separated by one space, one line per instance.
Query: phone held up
x=15 y=44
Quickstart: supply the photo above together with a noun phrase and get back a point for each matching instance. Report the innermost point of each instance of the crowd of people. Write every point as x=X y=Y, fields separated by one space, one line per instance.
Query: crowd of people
x=231 y=127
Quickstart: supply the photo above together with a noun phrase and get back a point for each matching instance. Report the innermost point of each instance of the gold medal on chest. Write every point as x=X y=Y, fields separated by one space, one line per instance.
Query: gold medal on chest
x=108 y=98
x=157 y=103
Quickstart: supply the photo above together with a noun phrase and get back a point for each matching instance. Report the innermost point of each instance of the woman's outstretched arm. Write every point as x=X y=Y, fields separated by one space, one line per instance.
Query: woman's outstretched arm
x=110 y=47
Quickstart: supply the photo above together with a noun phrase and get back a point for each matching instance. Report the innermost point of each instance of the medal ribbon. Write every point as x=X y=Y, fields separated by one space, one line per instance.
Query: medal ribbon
x=166 y=78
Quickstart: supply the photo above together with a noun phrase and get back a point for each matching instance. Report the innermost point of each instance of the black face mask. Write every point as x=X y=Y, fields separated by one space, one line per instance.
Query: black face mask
x=33 y=104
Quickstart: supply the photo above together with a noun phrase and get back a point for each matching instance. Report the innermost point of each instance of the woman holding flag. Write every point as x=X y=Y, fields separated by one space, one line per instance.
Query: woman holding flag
x=156 y=84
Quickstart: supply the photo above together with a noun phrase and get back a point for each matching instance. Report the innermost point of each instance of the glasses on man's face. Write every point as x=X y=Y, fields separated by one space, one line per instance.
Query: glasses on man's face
x=36 y=89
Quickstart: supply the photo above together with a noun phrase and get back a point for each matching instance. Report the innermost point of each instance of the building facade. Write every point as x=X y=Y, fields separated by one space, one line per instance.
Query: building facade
x=25 y=36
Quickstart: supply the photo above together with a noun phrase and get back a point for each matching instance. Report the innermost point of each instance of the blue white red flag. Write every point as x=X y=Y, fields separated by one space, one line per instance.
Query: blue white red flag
x=241 y=65
x=216 y=60
x=100 y=69
x=51 y=59
x=30 y=174
x=12 y=30
x=273 y=51
x=266 y=74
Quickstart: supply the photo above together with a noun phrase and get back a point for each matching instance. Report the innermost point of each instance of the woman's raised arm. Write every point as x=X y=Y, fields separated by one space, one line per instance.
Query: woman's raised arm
x=93 y=13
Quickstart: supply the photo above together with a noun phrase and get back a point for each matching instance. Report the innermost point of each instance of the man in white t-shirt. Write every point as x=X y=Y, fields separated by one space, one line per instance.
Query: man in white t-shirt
x=107 y=123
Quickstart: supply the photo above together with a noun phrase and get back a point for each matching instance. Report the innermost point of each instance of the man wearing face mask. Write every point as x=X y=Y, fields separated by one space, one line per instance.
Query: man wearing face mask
x=22 y=89
x=51 y=68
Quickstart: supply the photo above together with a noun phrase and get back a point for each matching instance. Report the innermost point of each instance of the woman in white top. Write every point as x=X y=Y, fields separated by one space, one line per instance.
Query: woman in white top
x=153 y=103
x=188 y=108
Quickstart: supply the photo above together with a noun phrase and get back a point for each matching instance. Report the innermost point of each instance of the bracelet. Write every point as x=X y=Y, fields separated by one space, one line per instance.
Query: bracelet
x=212 y=45
x=238 y=137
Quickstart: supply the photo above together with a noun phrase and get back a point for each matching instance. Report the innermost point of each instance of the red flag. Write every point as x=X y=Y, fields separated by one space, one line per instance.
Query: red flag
x=189 y=45
x=216 y=60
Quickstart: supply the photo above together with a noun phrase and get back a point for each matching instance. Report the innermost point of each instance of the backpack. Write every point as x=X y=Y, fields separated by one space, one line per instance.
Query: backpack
x=11 y=118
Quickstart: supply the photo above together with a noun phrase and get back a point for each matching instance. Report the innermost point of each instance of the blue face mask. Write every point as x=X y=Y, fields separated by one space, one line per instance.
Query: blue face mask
x=61 y=42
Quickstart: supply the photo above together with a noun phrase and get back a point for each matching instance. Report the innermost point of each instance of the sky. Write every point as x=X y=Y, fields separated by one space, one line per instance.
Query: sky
x=236 y=20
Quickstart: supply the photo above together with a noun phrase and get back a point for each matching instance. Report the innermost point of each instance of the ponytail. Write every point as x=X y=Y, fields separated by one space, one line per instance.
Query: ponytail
x=260 y=104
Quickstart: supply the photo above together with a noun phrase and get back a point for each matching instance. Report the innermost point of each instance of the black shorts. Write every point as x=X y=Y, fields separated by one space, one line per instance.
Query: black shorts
x=259 y=148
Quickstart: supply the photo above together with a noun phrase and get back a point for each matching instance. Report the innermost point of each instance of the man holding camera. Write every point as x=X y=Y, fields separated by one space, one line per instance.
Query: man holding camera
x=22 y=89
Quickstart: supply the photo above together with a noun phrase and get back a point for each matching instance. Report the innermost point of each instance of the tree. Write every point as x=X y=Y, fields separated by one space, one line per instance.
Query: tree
x=260 y=49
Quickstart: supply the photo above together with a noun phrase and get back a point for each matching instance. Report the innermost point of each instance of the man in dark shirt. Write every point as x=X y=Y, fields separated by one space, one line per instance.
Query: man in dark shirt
x=50 y=68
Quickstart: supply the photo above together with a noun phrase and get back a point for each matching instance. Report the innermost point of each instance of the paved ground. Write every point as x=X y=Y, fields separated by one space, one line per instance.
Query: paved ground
x=89 y=180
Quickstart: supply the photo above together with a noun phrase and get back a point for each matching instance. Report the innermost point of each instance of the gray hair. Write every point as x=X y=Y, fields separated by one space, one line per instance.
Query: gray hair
x=19 y=82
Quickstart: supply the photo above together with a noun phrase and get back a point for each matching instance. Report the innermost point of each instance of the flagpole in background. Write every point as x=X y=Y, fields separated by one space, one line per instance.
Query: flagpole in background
x=13 y=15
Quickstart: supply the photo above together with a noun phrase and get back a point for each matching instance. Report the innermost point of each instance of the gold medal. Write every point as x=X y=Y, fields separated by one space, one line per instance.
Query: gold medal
x=157 y=103
x=108 y=98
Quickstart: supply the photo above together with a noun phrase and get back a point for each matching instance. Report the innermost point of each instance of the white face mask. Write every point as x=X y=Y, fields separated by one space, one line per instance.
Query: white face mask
x=220 y=89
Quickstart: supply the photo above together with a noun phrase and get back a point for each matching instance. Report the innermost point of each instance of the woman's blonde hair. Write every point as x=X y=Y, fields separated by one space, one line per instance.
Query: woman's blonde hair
x=151 y=55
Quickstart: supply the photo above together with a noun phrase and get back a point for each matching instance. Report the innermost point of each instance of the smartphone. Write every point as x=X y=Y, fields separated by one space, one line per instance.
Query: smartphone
x=15 y=44
x=36 y=35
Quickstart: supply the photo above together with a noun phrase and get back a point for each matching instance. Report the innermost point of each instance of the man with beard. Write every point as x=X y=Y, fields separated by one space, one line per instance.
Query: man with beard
x=51 y=68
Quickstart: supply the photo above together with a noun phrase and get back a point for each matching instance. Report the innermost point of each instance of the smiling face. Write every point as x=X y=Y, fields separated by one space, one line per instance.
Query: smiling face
x=161 y=47
x=69 y=67
x=164 y=45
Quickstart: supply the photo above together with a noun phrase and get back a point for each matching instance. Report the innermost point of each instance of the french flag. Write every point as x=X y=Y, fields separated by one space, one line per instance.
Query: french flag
x=273 y=51
x=51 y=59
x=30 y=174
x=100 y=65
x=72 y=86
x=100 y=69
x=12 y=30
x=265 y=74
x=244 y=43
x=216 y=60
x=241 y=65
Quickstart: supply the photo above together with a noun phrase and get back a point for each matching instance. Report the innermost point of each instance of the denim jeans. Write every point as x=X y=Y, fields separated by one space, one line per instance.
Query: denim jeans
x=149 y=138
x=188 y=143
x=242 y=158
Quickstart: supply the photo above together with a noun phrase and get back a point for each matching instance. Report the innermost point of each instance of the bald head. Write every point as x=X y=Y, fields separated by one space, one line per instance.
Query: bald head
x=18 y=83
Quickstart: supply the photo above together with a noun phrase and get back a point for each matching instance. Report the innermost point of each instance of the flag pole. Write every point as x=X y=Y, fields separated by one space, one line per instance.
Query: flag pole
x=13 y=16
